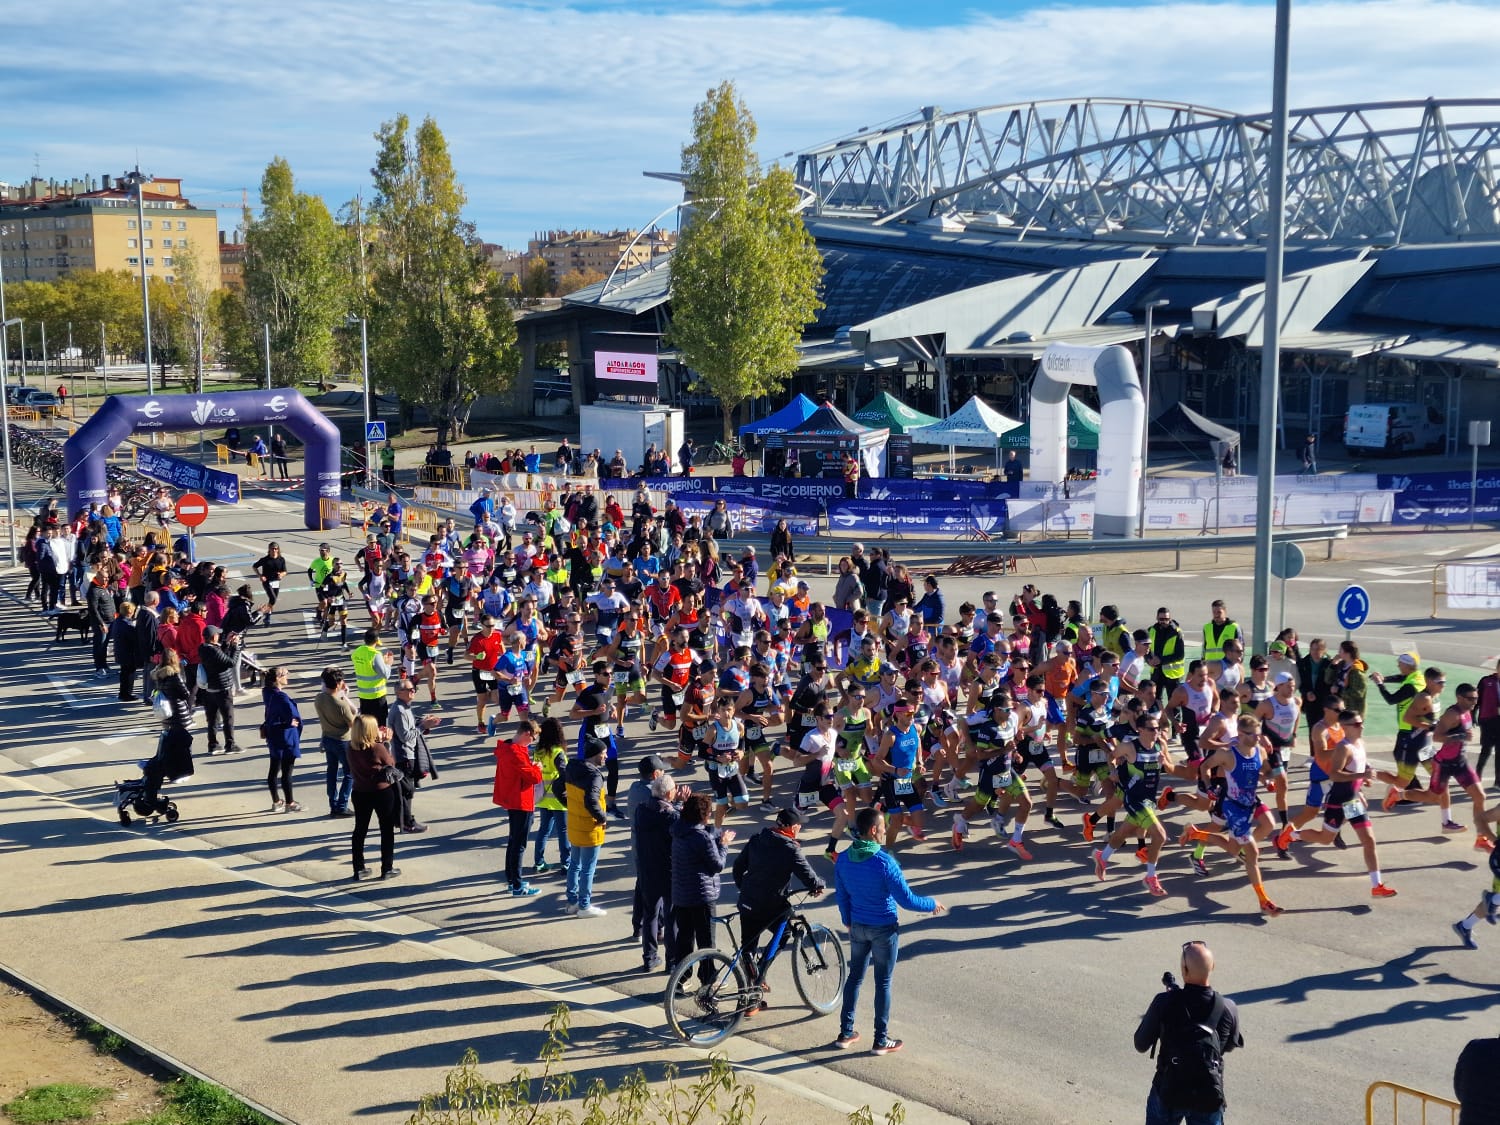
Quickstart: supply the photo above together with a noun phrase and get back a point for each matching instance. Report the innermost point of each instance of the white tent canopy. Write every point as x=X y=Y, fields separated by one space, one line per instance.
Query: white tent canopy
x=974 y=425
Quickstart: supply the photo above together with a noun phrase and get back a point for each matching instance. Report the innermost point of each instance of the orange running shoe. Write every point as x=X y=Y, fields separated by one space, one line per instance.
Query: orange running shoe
x=1088 y=827
x=1269 y=907
x=1153 y=884
x=1099 y=863
x=1283 y=839
x=1392 y=795
x=1019 y=848
x=1483 y=844
x=1143 y=855
x=1382 y=891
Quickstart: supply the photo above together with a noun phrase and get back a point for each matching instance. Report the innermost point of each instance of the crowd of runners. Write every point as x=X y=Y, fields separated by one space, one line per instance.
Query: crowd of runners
x=1056 y=732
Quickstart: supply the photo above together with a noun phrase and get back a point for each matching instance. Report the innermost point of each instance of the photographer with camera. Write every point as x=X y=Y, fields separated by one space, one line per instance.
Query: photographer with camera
x=1194 y=1028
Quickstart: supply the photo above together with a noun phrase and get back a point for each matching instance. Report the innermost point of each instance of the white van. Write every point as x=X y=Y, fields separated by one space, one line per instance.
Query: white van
x=1392 y=427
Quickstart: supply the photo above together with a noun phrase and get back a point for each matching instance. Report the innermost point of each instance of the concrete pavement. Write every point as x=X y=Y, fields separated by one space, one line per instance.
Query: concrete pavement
x=1017 y=1007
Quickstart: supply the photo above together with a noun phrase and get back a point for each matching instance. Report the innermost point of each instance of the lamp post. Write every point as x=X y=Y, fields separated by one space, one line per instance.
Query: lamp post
x=44 y=355
x=364 y=368
x=1150 y=307
x=10 y=484
x=139 y=181
x=266 y=330
x=103 y=360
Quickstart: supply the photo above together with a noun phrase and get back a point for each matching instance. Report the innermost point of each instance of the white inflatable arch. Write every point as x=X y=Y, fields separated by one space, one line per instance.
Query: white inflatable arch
x=1117 y=493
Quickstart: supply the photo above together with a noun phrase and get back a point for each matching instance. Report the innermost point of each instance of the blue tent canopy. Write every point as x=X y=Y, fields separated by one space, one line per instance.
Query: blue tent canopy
x=789 y=417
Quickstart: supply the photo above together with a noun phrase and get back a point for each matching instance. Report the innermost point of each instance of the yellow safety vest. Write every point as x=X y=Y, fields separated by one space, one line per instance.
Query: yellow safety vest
x=1213 y=646
x=1418 y=682
x=368 y=683
x=548 y=763
x=1174 y=669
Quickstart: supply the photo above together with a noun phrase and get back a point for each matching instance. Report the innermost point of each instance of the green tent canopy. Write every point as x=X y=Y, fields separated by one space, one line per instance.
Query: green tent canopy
x=1083 y=429
x=886 y=411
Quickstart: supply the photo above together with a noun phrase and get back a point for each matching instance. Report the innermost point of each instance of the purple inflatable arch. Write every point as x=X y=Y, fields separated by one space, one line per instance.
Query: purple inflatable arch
x=85 y=453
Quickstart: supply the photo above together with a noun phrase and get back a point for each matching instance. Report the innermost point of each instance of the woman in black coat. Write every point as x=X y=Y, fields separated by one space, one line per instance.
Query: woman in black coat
x=122 y=638
x=781 y=541
x=699 y=854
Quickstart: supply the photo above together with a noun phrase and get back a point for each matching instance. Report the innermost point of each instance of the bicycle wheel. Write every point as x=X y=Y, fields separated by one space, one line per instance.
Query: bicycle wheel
x=819 y=968
x=705 y=1014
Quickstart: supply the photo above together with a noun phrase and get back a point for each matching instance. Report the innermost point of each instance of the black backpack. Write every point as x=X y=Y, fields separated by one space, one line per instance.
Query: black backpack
x=1190 y=1070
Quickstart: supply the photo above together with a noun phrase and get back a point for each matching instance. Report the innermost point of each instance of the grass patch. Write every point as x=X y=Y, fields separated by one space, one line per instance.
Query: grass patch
x=194 y=1102
x=62 y=1101
x=105 y=1041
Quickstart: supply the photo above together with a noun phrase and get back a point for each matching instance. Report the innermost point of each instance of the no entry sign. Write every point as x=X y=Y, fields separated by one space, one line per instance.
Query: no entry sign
x=192 y=509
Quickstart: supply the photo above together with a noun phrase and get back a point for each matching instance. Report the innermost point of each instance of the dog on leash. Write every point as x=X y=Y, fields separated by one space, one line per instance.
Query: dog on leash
x=68 y=620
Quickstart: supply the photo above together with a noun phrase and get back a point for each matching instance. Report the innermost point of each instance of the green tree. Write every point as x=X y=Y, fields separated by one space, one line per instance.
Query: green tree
x=745 y=273
x=239 y=340
x=441 y=330
x=536 y=280
x=574 y=280
x=195 y=309
x=293 y=278
x=111 y=298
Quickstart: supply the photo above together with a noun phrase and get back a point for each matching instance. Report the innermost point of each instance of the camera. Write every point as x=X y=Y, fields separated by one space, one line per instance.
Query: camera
x=1169 y=982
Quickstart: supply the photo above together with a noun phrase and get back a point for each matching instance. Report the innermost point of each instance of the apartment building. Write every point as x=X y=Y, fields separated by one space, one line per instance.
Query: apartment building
x=48 y=229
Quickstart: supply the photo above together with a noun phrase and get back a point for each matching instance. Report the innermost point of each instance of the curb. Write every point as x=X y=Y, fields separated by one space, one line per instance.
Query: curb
x=145 y=1050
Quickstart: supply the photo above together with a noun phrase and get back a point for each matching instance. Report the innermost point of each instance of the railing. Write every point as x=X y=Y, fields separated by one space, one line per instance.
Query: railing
x=330 y=512
x=1416 y=1104
x=1484 y=594
x=443 y=476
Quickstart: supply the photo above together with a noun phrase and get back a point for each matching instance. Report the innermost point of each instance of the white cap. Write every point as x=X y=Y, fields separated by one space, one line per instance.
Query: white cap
x=1283 y=677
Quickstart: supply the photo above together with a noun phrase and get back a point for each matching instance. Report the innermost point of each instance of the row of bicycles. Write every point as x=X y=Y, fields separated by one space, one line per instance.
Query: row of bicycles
x=42 y=457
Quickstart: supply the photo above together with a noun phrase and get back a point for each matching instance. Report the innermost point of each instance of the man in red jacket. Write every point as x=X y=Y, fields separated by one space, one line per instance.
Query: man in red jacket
x=189 y=641
x=516 y=779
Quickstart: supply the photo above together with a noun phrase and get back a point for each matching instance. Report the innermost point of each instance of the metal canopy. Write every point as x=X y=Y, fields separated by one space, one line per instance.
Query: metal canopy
x=1378 y=173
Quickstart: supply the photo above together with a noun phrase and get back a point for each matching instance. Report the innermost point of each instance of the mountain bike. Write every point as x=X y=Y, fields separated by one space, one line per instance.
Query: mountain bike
x=710 y=992
x=723 y=452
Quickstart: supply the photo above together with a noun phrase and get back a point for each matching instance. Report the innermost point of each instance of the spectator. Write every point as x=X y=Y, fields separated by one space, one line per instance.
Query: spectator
x=763 y=873
x=336 y=717
x=516 y=779
x=685 y=456
x=781 y=541
x=282 y=730
x=217 y=692
x=586 y=825
x=870 y=888
x=699 y=853
x=551 y=756
x=653 y=824
x=1014 y=471
x=375 y=794
x=851 y=476
x=412 y=754
x=1474 y=1082
x=1188 y=1085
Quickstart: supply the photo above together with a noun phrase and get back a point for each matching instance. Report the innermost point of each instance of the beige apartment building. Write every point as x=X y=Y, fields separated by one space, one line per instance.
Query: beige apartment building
x=49 y=229
x=590 y=251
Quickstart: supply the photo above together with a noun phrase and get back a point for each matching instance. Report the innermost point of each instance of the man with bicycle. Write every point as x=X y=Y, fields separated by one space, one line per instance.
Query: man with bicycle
x=763 y=873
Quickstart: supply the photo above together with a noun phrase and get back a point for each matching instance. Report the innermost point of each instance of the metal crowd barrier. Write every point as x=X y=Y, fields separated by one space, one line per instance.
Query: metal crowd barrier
x=1415 y=1103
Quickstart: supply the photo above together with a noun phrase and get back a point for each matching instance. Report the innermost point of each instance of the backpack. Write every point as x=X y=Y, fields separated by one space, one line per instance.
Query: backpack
x=1190 y=1071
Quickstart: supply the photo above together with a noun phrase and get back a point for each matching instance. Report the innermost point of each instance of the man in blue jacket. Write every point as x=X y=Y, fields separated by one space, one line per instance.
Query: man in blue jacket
x=870 y=888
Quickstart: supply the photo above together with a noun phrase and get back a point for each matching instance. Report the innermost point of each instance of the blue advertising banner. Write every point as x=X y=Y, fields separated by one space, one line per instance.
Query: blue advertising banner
x=1445 y=507
x=931 y=518
x=951 y=489
x=747 y=514
x=217 y=485
x=1452 y=484
x=670 y=485
x=774 y=488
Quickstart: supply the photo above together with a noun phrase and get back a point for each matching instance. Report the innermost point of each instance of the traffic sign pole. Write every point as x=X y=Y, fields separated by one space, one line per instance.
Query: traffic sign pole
x=1353 y=609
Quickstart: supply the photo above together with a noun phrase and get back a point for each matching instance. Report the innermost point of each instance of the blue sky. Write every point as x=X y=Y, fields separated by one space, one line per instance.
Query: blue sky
x=553 y=109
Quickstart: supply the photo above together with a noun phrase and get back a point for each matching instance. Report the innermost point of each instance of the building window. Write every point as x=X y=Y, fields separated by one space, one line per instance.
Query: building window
x=130 y=244
x=182 y=224
x=130 y=224
x=166 y=244
x=146 y=242
x=167 y=262
x=150 y=261
x=182 y=244
x=132 y=261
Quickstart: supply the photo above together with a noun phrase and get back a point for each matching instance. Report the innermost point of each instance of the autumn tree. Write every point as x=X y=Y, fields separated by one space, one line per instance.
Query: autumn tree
x=293 y=278
x=746 y=272
x=441 y=330
x=574 y=280
x=195 y=309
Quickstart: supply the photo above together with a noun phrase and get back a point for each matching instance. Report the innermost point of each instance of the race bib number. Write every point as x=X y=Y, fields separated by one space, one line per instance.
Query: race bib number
x=807 y=800
x=678 y=698
x=1355 y=808
x=337 y=603
x=275 y=583
x=487 y=677
x=620 y=679
x=1002 y=779
x=575 y=678
x=599 y=730
x=754 y=733
x=903 y=786
x=1428 y=752
x=726 y=770
x=845 y=769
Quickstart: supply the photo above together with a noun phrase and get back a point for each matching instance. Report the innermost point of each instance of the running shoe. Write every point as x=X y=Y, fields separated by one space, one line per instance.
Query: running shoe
x=619 y=730
x=1099 y=863
x=1143 y=855
x=1153 y=884
x=768 y=805
x=1019 y=848
x=1199 y=865
x=1454 y=826
x=916 y=833
x=960 y=830
x=1339 y=841
x=997 y=824
x=1053 y=819
x=1088 y=827
x=1269 y=907
x=546 y=707
x=525 y=890
x=846 y=1040
x=1165 y=800
x=1382 y=891
x=1465 y=936
x=831 y=853
x=886 y=1046
x=937 y=801
x=541 y=868
x=1392 y=795
x=1492 y=909
x=650 y=722
x=480 y=732
x=1283 y=839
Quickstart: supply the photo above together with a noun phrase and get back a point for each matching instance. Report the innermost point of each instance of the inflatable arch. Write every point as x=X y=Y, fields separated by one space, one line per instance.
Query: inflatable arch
x=85 y=454
x=1117 y=493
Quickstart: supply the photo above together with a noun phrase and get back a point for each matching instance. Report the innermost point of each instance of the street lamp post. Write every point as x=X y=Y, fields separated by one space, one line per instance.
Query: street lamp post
x=1150 y=307
x=364 y=368
x=103 y=360
x=270 y=430
x=139 y=181
x=10 y=484
x=44 y=355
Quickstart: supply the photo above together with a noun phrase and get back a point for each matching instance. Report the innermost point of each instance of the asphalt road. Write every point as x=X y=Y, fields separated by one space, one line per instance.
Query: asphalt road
x=1016 y=1007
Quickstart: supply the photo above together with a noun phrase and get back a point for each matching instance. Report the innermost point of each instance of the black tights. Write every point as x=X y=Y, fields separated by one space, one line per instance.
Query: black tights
x=281 y=764
x=612 y=777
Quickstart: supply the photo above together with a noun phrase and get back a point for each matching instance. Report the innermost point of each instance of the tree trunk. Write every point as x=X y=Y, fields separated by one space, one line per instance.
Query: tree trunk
x=727 y=410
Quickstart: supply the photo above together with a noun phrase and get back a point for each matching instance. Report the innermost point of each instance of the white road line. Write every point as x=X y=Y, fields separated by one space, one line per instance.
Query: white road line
x=58 y=758
x=1400 y=582
x=310 y=625
x=1168 y=574
x=1441 y=552
x=116 y=739
x=1484 y=552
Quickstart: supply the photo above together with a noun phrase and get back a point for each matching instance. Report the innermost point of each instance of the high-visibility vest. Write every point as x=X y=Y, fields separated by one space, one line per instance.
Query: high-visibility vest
x=546 y=758
x=1172 y=669
x=1213 y=645
x=1417 y=681
x=369 y=684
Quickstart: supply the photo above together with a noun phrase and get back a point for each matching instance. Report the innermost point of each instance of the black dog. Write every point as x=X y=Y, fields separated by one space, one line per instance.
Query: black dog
x=69 y=620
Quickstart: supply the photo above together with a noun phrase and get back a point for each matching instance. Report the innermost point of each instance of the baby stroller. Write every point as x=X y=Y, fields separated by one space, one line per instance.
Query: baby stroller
x=173 y=761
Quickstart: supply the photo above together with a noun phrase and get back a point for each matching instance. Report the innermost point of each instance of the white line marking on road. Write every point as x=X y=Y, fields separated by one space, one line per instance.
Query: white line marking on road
x=1168 y=574
x=58 y=758
x=1484 y=552
x=1441 y=552
x=116 y=739
x=1394 y=571
x=1400 y=581
x=310 y=625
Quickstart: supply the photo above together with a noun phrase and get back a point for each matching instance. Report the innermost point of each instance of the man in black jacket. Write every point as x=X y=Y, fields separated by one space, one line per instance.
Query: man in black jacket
x=652 y=826
x=1189 y=1087
x=1474 y=1082
x=763 y=873
x=217 y=695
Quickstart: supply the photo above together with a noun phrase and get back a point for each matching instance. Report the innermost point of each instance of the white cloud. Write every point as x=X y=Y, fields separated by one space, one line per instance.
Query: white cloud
x=552 y=113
